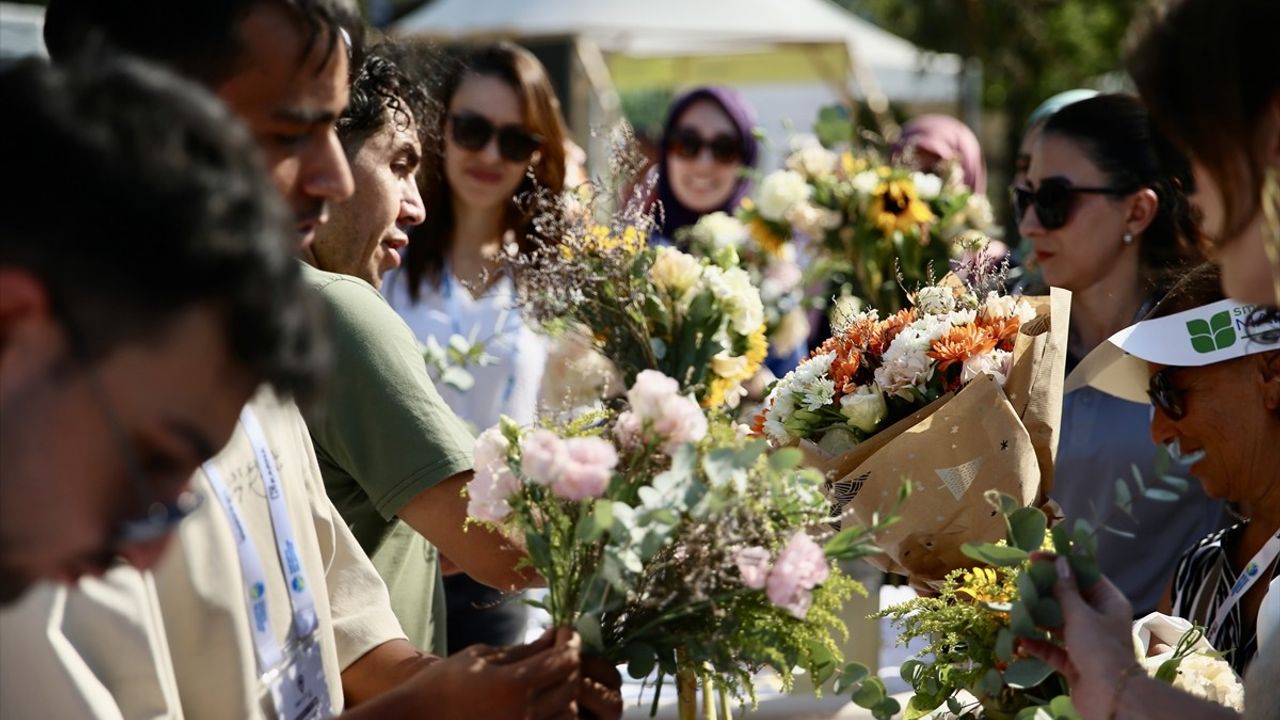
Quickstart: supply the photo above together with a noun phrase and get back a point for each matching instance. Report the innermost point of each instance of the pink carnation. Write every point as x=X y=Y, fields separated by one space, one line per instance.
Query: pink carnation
x=588 y=469
x=800 y=567
x=543 y=456
x=753 y=566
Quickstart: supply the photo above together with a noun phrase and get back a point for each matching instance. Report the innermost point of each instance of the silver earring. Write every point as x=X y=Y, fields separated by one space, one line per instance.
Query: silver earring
x=1128 y=238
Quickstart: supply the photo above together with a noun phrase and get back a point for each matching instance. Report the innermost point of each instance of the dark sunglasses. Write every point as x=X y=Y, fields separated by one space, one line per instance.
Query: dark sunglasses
x=1165 y=396
x=725 y=148
x=1053 y=200
x=473 y=132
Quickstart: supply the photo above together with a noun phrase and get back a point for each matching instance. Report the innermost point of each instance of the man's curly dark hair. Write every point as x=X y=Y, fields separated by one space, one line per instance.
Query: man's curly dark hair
x=384 y=89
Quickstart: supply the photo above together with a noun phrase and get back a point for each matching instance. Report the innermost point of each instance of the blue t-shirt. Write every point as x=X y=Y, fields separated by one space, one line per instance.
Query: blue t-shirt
x=1103 y=438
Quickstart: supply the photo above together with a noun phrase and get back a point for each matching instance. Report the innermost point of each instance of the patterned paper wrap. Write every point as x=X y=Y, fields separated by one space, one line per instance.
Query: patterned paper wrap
x=954 y=450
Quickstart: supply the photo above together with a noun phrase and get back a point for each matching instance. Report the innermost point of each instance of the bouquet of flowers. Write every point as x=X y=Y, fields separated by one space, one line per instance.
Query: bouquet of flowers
x=870 y=225
x=673 y=542
x=898 y=398
x=771 y=261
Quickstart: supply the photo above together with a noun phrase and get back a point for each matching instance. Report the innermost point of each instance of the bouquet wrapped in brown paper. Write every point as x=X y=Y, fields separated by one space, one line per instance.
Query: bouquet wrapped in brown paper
x=955 y=395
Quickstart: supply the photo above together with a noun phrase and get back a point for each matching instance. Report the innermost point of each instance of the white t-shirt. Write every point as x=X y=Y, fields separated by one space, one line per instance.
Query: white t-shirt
x=176 y=642
x=510 y=385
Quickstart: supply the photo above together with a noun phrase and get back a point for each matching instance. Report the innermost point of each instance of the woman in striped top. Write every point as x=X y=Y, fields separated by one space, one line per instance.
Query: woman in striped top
x=1223 y=420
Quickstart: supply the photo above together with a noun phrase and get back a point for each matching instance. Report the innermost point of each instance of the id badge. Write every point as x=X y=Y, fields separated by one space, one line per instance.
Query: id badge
x=299 y=691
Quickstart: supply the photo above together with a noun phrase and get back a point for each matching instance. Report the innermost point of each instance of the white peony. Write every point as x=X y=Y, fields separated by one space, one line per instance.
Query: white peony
x=720 y=230
x=779 y=192
x=928 y=185
x=935 y=300
x=864 y=408
x=675 y=272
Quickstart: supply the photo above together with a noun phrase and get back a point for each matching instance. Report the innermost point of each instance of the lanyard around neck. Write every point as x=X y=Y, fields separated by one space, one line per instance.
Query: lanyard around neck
x=1253 y=570
x=267 y=648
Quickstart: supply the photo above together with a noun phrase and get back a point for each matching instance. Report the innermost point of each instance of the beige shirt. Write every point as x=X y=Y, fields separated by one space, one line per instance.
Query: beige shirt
x=87 y=645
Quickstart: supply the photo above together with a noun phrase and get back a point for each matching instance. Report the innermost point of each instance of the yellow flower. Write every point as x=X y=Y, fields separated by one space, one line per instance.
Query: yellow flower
x=600 y=241
x=984 y=585
x=768 y=240
x=897 y=207
x=851 y=165
x=718 y=388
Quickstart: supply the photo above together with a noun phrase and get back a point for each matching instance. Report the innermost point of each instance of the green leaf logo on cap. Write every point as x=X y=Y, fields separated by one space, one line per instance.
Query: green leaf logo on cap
x=1216 y=334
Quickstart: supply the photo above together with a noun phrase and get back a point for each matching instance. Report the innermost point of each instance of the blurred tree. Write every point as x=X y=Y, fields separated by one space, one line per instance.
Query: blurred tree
x=1030 y=49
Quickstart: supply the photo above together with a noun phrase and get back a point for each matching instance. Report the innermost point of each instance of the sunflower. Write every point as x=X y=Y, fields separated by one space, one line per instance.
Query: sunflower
x=757 y=350
x=600 y=241
x=960 y=344
x=895 y=206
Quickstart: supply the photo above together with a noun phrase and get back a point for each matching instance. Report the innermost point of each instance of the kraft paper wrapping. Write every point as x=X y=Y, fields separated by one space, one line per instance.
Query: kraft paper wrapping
x=954 y=450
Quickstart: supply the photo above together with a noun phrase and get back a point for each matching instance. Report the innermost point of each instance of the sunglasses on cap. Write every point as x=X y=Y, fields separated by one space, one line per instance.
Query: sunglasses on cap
x=473 y=132
x=1165 y=396
x=688 y=144
x=1053 y=200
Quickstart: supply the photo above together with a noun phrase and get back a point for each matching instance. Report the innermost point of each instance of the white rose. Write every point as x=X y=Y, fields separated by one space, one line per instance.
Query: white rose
x=864 y=408
x=720 y=230
x=866 y=181
x=813 y=161
x=1209 y=678
x=779 y=192
x=812 y=220
x=674 y=271
x=935 y=300
x=928 y=185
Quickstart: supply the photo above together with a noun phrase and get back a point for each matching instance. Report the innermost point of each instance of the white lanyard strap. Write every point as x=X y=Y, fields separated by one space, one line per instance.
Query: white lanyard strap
x=265 y=646
x=1252 y=571
x=300 y=597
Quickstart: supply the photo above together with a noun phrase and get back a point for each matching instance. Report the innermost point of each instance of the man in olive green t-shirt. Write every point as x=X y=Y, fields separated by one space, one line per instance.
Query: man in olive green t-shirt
x=394 y=457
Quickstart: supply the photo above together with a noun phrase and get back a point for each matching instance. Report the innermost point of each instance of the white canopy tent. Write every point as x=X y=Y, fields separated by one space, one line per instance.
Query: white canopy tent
x=787 y=55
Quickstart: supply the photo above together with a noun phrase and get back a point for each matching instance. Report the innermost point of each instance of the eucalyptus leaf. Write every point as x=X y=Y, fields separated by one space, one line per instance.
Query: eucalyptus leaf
x=641 y=659
x=588 y=626
x=1027 y=673
x=871 y=693
x=1044 y=574
x=1021 y=622
x=1004 y=644
x=785 y=459
x=1027 y=592
x=1061 y=539
x=1047 y=613
x=1027 y=528
x=1179 y=484
x=997 y=555
x=1160 y=495
x=886 y=709
x=921 y=705
x=1124 y=498
x=1086 y=570
x=1063 y=709
x=852 y=675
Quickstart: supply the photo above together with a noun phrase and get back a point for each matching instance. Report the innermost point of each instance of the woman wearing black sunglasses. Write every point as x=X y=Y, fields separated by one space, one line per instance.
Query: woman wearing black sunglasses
x=500 y=124
x=707 y=148
x=1105 y=209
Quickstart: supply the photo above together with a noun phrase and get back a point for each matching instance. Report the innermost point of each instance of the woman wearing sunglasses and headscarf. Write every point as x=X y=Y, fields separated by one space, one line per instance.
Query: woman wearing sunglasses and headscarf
x=1105 y=209
x=707 y=149
x=500 y=123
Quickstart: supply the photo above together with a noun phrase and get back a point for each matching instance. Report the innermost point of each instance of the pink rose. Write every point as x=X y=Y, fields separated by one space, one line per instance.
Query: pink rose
x=753 y=566
x=543 y=456
x=650 y=392
x=800 y=567
x=488 y=492
x=628 y=428
x=588 y=470
x=681 y=421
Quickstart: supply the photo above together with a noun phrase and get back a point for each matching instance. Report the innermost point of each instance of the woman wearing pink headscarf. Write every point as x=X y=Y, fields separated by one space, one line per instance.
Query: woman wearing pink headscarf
x=931 y=141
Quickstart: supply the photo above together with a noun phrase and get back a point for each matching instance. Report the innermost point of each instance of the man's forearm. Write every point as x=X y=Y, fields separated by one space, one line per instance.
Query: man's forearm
x=439 y=514
x=381 y=670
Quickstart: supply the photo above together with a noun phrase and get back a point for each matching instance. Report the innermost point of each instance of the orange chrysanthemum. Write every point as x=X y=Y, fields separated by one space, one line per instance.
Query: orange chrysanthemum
x=1002 y=330
x=960 y=344
x=889 y=329
x=844 y=369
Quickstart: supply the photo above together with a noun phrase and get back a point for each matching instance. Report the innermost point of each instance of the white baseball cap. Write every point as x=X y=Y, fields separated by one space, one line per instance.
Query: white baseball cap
x=1209 y=334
